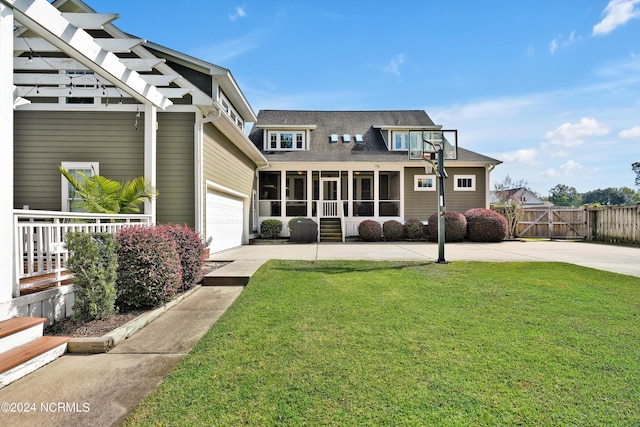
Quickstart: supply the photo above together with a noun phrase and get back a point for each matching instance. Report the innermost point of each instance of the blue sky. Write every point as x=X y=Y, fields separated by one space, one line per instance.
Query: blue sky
x=551 y=88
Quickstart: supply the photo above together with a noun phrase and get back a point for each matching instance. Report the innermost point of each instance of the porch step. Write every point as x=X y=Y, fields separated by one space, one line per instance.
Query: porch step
x=330 y=230
x=23 y=349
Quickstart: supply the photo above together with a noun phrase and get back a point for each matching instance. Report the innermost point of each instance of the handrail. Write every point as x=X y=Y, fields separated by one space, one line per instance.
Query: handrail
x=39 y=251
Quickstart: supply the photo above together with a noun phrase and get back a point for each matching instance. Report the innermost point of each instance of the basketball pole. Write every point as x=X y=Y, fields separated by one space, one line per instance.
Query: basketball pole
x=441 y=205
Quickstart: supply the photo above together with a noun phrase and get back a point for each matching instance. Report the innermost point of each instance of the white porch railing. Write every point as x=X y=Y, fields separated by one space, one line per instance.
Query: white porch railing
x=39 y=250
x=330 y=208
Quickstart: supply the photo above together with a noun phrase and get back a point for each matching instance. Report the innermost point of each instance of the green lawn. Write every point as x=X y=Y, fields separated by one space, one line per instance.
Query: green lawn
x=388 y=343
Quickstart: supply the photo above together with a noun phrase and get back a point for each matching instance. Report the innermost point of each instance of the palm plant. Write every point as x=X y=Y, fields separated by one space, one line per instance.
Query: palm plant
x=98 y=194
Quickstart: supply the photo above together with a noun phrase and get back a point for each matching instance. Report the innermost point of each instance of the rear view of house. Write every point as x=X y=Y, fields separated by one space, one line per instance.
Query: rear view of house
x=354 y=165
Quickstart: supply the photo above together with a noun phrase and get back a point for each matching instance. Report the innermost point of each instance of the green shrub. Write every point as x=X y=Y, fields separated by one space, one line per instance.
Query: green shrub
x=270 y=228
x=149 y=270
x=455 y=227
x=393 y=230
x=485 y=225
x=189 y=247
x=370 y=230
x=415 y=229
x=93 y=261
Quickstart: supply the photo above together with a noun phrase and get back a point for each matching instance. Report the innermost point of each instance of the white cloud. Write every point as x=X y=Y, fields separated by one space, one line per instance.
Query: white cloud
x=633 y=133
x=393 y=67
x=531 y=51
x=617 y=13
x=562 y=41
x=220 y=52
x=238 y=13
x=565 y=169
x=572 y=134
x=523 y=156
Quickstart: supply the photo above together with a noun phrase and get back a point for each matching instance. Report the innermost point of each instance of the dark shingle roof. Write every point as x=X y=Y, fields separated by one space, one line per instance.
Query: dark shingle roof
x=365 y=123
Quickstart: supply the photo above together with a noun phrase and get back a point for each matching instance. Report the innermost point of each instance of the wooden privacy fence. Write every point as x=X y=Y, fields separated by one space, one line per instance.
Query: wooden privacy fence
x=618 y=224
x=552 y=223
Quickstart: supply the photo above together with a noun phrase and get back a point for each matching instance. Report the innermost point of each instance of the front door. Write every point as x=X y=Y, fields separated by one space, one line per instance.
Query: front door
x=330 y=197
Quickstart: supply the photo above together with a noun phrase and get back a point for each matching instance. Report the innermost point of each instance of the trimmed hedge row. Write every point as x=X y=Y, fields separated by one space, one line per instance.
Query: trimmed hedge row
x=477 y=225
x=138 y=267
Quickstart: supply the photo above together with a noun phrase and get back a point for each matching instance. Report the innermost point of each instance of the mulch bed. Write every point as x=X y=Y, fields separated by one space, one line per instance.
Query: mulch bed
x=71 y=327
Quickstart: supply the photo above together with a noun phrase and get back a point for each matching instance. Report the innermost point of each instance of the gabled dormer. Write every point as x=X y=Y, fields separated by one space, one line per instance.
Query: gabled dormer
x=396 y=136
x=286 y=137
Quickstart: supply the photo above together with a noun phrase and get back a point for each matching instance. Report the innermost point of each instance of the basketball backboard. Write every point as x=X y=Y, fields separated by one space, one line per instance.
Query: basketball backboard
x=424 y=144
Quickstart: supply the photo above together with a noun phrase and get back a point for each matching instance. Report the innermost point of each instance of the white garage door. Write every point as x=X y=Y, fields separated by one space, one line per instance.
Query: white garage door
x=224 y=221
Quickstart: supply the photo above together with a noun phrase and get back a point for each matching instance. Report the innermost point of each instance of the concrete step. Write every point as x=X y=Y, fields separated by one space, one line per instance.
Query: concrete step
x=236 y=273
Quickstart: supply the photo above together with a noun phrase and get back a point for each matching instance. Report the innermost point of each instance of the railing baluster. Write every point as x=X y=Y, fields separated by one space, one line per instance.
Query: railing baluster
x=38 y=235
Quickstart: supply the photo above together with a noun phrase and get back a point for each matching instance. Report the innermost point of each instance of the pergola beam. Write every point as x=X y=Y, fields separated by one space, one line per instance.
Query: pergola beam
x=49 y=23
x=88 y=92
x=40 y=79
x=39 y=63
x=26 y=44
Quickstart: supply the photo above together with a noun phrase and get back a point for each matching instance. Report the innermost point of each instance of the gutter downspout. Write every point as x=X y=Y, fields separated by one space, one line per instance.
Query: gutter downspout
x=487 y=196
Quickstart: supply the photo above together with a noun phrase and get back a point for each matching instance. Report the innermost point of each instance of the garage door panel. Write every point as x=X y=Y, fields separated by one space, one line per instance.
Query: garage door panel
x=224 y=221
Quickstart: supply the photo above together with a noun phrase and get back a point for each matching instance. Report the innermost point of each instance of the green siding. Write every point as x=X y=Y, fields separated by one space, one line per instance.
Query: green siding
x=421 y=204
x=175 y=165
x=44 y=139
x=225 y=164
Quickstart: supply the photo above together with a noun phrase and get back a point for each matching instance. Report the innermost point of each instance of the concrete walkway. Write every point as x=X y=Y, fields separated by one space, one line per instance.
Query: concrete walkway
x=617 y=259
x=101 y=390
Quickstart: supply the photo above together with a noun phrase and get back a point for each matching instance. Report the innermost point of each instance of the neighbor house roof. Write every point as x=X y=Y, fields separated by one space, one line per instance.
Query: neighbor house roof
x=370 y=124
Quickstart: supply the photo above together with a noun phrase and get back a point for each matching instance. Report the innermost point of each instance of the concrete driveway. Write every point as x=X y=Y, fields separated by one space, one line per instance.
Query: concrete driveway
x=617 y=259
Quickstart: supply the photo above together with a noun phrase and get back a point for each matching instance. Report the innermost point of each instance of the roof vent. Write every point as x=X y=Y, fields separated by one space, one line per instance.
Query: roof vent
x=346 y=138
x=358 y=138
x=334 y=137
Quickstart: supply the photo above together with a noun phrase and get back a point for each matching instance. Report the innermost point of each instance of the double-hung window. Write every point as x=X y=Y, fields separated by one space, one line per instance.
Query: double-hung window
x=464 y=183
x=286 y=140
x=400 y=140
x=68 y=192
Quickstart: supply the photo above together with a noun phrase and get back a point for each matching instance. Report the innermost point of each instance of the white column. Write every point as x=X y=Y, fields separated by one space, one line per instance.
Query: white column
x=150 y=154
x=309 y=193
x=6 y=160
x=376 y=192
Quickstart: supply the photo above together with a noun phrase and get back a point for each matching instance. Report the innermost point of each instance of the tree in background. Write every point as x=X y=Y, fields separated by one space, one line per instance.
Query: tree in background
x=563 y=195
x=510 y=204
x=636 y=168
x=98 y=194
x=508 y=184
x=624 y=196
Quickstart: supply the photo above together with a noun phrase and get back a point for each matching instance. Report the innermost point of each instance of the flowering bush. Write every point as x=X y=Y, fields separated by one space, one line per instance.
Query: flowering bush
x=393 y=230
x=455 y=227
x=189 y=247
x=485 y=225
x=415 y=229
x=370 y=230
x=149 y=270
x=94 y=262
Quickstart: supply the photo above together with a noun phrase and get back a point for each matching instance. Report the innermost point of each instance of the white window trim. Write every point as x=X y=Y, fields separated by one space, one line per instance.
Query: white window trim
x=267 y=143
x=233 y=114
x=417 y=178
x=64 y=194
x=406 y=140
x=457 y=188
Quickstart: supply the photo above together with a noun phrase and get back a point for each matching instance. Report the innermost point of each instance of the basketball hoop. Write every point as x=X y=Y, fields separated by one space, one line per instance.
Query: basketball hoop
x=434 y=147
